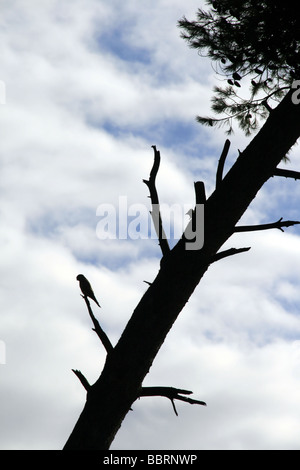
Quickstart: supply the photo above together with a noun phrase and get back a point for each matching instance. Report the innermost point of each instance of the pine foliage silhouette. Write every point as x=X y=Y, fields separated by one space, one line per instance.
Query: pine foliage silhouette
x=255 y=48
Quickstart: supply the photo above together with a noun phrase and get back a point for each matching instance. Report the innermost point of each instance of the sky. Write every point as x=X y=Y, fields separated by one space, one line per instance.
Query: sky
x=87 y=88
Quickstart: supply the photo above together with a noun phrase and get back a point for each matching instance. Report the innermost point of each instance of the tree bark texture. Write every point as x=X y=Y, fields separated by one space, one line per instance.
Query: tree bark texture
x=111 y=397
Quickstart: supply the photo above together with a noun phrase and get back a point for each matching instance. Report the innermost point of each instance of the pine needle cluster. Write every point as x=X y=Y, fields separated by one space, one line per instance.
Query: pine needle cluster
x=255 y=48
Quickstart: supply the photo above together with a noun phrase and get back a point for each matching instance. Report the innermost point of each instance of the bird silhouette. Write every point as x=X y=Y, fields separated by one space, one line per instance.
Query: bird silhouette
x=86 y=288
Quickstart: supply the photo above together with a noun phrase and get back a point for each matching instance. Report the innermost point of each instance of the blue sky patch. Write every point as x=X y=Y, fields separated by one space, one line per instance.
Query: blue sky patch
x=116 y=43
x=168 y=133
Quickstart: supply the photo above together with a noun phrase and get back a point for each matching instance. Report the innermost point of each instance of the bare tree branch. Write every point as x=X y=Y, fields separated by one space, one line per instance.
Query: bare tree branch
x=194 y=232
x=226 y=253
x=82 y=379
x=171 y=393
x=279 y=224
x=221 y=163
x=156 y=216
x=103 y=337
x=200 y=196
x=97 y=328
x=287 y=173
x=266 y=104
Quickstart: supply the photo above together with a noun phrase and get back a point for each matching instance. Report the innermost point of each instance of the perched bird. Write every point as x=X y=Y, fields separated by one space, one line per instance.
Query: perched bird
x=86 y=288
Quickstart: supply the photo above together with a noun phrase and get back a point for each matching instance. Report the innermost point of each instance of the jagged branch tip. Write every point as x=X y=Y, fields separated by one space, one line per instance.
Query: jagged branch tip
x=155 y=213
x=171 y=393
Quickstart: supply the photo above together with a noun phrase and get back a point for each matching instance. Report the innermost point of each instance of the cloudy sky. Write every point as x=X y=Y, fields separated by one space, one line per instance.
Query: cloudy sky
x=90 y=86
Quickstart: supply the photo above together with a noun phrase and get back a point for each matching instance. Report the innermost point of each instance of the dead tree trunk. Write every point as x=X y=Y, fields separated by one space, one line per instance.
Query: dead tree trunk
x=109 y=399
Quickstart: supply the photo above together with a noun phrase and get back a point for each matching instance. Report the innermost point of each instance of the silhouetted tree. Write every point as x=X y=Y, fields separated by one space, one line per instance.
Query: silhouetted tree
x=255 y=47
x=245 y=46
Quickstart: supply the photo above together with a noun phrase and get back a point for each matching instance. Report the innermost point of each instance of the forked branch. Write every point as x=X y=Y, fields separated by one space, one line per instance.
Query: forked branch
x=156 y=215
x=279 y=224
x=103 y=337
x=171 y=393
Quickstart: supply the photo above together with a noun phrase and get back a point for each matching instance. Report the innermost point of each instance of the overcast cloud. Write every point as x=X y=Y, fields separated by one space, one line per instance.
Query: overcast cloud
x=90 y=86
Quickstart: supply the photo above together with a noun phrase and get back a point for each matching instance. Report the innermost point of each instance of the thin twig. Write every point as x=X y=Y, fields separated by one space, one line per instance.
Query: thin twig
x=171 y=393
x=82 y=379
x=97 y=328
x=156 y=215
x=219 y=175
x=226 y=253
x=279 y=224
